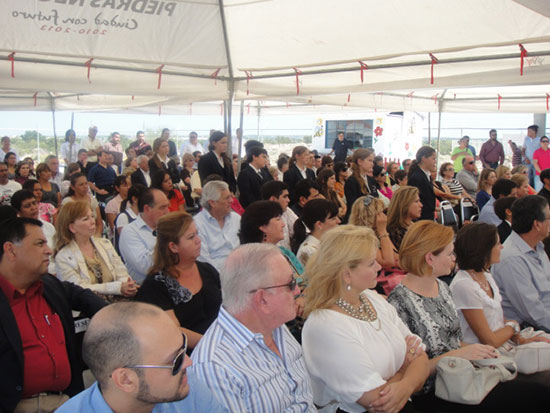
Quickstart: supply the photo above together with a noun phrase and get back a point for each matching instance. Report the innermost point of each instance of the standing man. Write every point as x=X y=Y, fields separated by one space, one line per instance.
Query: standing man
x=138 y=356
x=139 y=145
x=458 y=153
x=530 y=144
x=492 y=151
x=340 y=148
x=102 y=177
x=92 y=144
x=248 y=358
x=138 y=238
x=69 y=148
x=253 y=176
x=193 y=144
x=115 y=148
x=541 y=161
x=40 y=362
x=6 y=147
x=7 y=187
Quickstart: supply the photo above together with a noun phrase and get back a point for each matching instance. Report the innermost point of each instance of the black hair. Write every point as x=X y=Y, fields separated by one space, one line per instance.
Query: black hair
x=7 y=156
x=315 y=210
x=83 y=150
x=7 y=212
x=13 y=230
x=73 y=180
x=273 y=188
x=146 y=198
x=502 y=204
x=136 y=191
x=302 y=188
x=423 y=152
x=251 y=143
x=254 y=151
x=534 y=127
x=473 y=245
x=339 y=167
x=119 y=180
x=282 y=161
x=19 y=196
x=545 y=174
x=404 y=162
x=527 y=210
x=196 y=153
x=156 y=181
x=29 y=184
x=491 y=131
x=503 y=187
x=68 y=133
x=257 y=214
x=399 y=175
x=138 y=132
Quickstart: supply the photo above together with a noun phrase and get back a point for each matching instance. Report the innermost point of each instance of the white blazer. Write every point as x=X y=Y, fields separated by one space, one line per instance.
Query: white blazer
x=71 y=266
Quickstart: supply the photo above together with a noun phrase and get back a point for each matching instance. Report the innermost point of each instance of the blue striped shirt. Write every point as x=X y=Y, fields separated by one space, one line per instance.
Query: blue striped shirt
x=246 y=375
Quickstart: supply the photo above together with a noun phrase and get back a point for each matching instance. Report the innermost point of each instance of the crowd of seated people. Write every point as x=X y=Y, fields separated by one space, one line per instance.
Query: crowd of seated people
x=265 y=278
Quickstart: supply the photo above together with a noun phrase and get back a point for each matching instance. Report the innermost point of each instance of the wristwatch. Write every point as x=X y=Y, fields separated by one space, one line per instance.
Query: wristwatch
x=514 y=325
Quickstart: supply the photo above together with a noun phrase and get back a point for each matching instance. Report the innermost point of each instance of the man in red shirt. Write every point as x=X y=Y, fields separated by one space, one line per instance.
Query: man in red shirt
x=541 y=161
x=38 y=350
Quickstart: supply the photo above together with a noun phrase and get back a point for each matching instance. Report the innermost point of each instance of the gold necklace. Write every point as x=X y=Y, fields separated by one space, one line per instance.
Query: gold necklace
x=365 y=311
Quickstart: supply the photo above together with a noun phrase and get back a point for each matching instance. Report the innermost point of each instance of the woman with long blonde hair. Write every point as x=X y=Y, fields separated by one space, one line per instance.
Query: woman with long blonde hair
x=487 y=179
x=188 y=290
x=368 y=211
x=405 y=206
x=378 y=363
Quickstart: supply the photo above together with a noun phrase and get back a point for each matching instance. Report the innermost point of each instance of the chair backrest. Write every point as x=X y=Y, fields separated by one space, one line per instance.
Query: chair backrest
x=467 y=210
x=448 y=216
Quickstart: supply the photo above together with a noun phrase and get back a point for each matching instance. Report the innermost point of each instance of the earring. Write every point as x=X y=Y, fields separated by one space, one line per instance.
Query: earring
x=348 y=287
x=265 y=237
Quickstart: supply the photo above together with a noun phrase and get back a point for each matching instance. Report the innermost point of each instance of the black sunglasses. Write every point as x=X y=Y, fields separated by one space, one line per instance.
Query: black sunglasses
x=544 y=141
x=176 y=366
x=470 y=163
x=291 y=286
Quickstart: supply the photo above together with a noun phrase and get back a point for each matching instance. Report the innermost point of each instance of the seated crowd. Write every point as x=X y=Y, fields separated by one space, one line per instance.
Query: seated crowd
x=313 y=284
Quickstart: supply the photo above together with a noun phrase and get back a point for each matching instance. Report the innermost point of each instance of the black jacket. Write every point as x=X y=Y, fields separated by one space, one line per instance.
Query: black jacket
x=155 y=164
x=209 y=165
x=419 y=180
x=352 y=191
x=62 y=298
x=504 y=231
x=250 y=184
x=293 y=176
x=138 y=178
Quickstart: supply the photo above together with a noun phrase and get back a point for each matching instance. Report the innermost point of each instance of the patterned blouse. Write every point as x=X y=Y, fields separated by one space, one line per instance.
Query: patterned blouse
x=434 y=320
x=396 y=236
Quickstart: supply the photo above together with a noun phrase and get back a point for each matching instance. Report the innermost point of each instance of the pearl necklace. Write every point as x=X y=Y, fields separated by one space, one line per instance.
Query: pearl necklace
x=365 y=312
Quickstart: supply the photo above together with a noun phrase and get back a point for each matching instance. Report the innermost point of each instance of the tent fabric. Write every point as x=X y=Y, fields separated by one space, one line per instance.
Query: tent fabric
x=185 y=56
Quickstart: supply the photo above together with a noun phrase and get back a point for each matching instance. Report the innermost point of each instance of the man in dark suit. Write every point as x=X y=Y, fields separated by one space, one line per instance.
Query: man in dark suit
x=419 y=177
x=503 y=210
x=142 y=176
x=295 y=174
x=253 y=176
x=41 y=365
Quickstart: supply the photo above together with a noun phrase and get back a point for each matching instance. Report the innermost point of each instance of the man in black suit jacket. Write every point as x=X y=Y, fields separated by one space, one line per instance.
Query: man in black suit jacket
x=140 y=176
x=37 y=331
x=293 y=175
x=503 y=210
x=253 y=176
x=419 y=177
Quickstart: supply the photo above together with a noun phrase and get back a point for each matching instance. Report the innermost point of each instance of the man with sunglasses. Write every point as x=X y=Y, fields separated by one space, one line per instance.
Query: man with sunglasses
x=248 y=357
x=468 y=176
x=541 y=161
x=138 y=356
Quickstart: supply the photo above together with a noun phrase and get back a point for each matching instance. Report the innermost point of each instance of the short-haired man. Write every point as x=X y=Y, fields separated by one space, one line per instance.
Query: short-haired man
x=138 y=239
x=305 y=191
x=139 y=145
x=138 y=356
x=85 y=166
x=545 y=179
x=53 y=163
x=501 y=189
x=541 y=161
x=92 y=144
x=340 y=148
x=25 y=204
x=114 y=147
x=102 y=177
x=6 y=147
x=504 y=212
x=468 y=176
x=192 y=145
x=142 y=176
x=38 y=347
x=523 y=271
x=7 y=187
x=248 y=357
x=253 y=176
x=492 y=151
x=406 y=164
x=278 y=191
x=218 y=225
x=530 y=144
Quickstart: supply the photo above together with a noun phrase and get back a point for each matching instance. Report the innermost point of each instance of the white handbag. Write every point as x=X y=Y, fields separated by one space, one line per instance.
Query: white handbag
x=468 y=382
x=531 y=357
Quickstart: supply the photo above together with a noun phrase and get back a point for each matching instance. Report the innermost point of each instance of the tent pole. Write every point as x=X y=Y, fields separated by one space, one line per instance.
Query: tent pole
x=440 y=109
x=72 y=120
x=429 y=128
x=258 y=127
x=241 y=137
x=228 y=131
x=52 y=102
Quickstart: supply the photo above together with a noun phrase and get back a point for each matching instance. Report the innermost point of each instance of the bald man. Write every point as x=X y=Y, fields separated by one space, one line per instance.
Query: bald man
x=138 y=356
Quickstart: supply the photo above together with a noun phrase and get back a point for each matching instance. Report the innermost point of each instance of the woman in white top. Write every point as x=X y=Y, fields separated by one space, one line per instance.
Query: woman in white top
x=358 y=352
x=78 y=191
x=86 y=260
x=318 y=216
x=475 y=292
x=112 y=209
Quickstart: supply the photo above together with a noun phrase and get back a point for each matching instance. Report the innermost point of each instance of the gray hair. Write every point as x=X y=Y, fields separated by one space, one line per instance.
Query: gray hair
x=49 y=158
x=141 y=157
x=246 y=269
x=110 y=342
x=212 y=191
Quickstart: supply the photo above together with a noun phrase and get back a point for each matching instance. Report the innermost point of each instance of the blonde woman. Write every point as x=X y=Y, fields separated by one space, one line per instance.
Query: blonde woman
x=487 y=179
x=522 y=181
x=503 y=171
x=373 y=362
x=86 y=260
x=368 y=211
x=405 y=207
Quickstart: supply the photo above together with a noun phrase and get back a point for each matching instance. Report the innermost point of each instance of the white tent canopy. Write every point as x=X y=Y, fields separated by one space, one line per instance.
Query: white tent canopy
x=187 y=56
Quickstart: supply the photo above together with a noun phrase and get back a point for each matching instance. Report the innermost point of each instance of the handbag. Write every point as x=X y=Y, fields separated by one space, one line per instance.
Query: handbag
x=531 y=357
x=468 y=382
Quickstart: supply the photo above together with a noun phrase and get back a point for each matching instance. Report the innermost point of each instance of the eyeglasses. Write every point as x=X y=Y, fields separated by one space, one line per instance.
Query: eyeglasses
x=176 y=366
x=449 y=170
x=291 y=286
x=470 y=163
x=368 y=199
x=545 y=141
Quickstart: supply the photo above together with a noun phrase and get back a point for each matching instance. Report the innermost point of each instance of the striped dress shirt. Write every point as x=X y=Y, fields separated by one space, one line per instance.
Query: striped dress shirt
x=247 y=376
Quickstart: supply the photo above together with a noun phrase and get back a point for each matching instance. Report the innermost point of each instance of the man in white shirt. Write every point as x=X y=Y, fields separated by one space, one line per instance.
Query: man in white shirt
x=6 y=147
x=53 y=163
x=218 y=226
x=278 y=191
x=193 y=145
x=69 y=149
x=7 y=187
x=92 y=144
x=138 y=239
